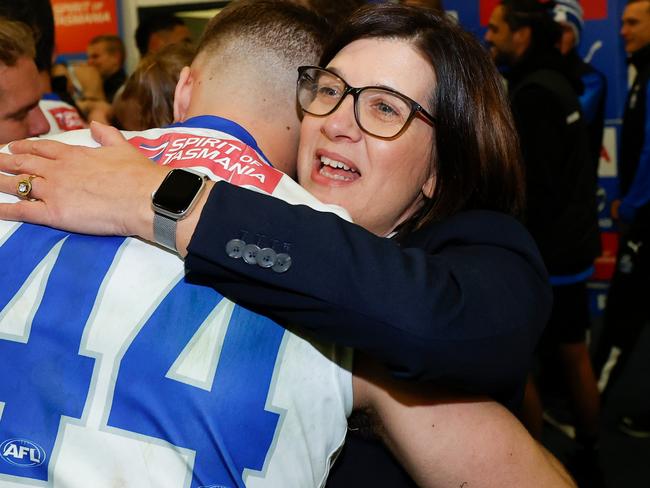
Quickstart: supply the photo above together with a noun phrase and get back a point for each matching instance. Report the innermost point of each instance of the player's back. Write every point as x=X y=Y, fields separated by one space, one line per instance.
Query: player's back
x=116 y=370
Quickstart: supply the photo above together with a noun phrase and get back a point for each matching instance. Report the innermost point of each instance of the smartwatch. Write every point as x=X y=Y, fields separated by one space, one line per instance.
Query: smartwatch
x=173 y=201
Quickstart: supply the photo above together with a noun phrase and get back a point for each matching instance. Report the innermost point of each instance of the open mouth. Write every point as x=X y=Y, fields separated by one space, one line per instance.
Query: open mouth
x=337 y=170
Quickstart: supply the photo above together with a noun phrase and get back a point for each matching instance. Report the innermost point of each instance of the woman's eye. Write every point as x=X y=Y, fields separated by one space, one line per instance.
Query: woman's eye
x=386 y=109
x=328 y=91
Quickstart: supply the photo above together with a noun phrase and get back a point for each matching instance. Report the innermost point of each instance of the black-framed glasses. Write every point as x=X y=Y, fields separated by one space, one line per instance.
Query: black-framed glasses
x=380 y=112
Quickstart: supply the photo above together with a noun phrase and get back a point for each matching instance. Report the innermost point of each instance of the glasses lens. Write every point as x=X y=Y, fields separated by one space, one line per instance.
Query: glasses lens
x=381 y=112
x=319 y=91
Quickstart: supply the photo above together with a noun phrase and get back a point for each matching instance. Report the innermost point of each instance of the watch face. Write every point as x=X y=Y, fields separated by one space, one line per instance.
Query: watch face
x=177 y=192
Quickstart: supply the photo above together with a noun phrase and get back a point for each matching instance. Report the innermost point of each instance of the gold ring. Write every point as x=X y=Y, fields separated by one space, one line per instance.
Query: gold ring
x=24 y=188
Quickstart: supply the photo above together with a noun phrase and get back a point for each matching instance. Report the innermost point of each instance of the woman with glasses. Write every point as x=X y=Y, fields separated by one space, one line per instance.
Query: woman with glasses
x=406 y=127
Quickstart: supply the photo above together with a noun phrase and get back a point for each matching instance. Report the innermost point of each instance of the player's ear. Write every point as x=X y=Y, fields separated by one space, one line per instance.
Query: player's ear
x=183 y=94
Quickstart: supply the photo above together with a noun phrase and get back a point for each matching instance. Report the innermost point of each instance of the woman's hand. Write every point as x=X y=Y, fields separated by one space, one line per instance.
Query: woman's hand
x=105 y=191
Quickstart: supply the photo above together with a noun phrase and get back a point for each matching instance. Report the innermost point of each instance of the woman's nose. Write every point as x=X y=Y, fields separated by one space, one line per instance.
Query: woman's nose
x=342 y=124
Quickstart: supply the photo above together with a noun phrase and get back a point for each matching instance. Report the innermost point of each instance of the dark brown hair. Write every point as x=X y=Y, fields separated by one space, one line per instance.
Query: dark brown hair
x=335 y=11
x=433 y=4
x=476 y=159
x=545 y=32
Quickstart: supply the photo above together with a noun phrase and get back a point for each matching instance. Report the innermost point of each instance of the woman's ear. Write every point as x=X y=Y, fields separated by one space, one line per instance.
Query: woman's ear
x=183 y=94
x=429 y=186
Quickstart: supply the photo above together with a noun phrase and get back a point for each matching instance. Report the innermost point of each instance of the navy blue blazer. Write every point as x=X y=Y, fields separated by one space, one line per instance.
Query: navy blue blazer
x=460 y=302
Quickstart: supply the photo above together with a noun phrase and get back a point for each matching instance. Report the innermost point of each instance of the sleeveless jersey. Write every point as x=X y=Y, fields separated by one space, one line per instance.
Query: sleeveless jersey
x=116 y=371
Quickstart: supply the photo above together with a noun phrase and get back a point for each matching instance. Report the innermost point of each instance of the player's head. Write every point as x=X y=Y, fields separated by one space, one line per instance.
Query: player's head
x=20 y=90
x=38 y=15
x=246 y=70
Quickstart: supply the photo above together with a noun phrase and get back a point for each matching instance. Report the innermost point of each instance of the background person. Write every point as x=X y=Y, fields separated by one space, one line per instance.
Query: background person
x=20 y=90
x=449 y=267
x=157 y=31
x=568 y=13
x=147 y=98
x=626 y=312
x=37 y=14
x=561 y=200
x=106 y=54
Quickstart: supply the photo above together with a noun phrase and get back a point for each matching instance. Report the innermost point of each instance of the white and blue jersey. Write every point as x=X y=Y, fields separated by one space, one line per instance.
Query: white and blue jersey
x=115 y=371
x=60 y=115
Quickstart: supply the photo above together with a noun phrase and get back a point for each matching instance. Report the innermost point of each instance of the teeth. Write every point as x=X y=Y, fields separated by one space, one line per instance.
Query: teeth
x=323 y=171
x=335 y=164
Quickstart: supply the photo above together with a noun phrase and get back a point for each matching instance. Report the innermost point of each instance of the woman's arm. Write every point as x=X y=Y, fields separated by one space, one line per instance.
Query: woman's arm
x=462 y=303
x=448 y=440
x=103 y=191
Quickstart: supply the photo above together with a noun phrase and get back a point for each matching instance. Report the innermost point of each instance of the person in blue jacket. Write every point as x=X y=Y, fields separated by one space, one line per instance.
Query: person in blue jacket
x=627 y=310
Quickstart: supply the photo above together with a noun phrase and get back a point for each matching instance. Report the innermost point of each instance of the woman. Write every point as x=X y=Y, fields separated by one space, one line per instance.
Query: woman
x=457 y=296
x=459 y=283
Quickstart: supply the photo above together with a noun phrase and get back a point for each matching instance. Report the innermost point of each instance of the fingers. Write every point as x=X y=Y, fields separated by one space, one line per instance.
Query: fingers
x=14 y=185
x=17 y=164
x=44 y=148
x=23 y=211
x=106 y=135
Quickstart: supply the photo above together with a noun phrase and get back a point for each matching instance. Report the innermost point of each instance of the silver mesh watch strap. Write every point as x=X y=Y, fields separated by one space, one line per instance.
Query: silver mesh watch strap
x=164 y=231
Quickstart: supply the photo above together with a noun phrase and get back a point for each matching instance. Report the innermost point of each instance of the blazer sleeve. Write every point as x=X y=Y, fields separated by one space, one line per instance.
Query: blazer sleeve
x=462 y=304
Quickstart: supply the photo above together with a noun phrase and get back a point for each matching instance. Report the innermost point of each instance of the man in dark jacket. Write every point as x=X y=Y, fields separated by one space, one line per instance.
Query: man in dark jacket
x=561 y=183
x=568 y=13
x=627 y=310
x=106 y=53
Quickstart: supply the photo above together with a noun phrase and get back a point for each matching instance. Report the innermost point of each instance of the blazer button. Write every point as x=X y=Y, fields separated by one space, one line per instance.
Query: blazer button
x=282 y=263
x=234 y=248
x=266 y=258
x=249 y=252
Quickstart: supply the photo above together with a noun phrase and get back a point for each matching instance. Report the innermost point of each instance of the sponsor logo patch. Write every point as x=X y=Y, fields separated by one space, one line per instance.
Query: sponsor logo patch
x=229 y=159
x=22 y=452
x=66 y=118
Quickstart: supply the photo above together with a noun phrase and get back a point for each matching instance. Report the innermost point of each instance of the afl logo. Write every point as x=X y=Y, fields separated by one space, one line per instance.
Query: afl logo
x=23 y=453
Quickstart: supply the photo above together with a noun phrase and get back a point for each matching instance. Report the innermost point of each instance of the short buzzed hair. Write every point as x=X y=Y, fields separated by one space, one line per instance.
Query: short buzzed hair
x=16 y=41
x=291 y=32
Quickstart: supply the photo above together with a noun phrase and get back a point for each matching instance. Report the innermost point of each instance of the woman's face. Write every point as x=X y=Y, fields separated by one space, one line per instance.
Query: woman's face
x=380 y=182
